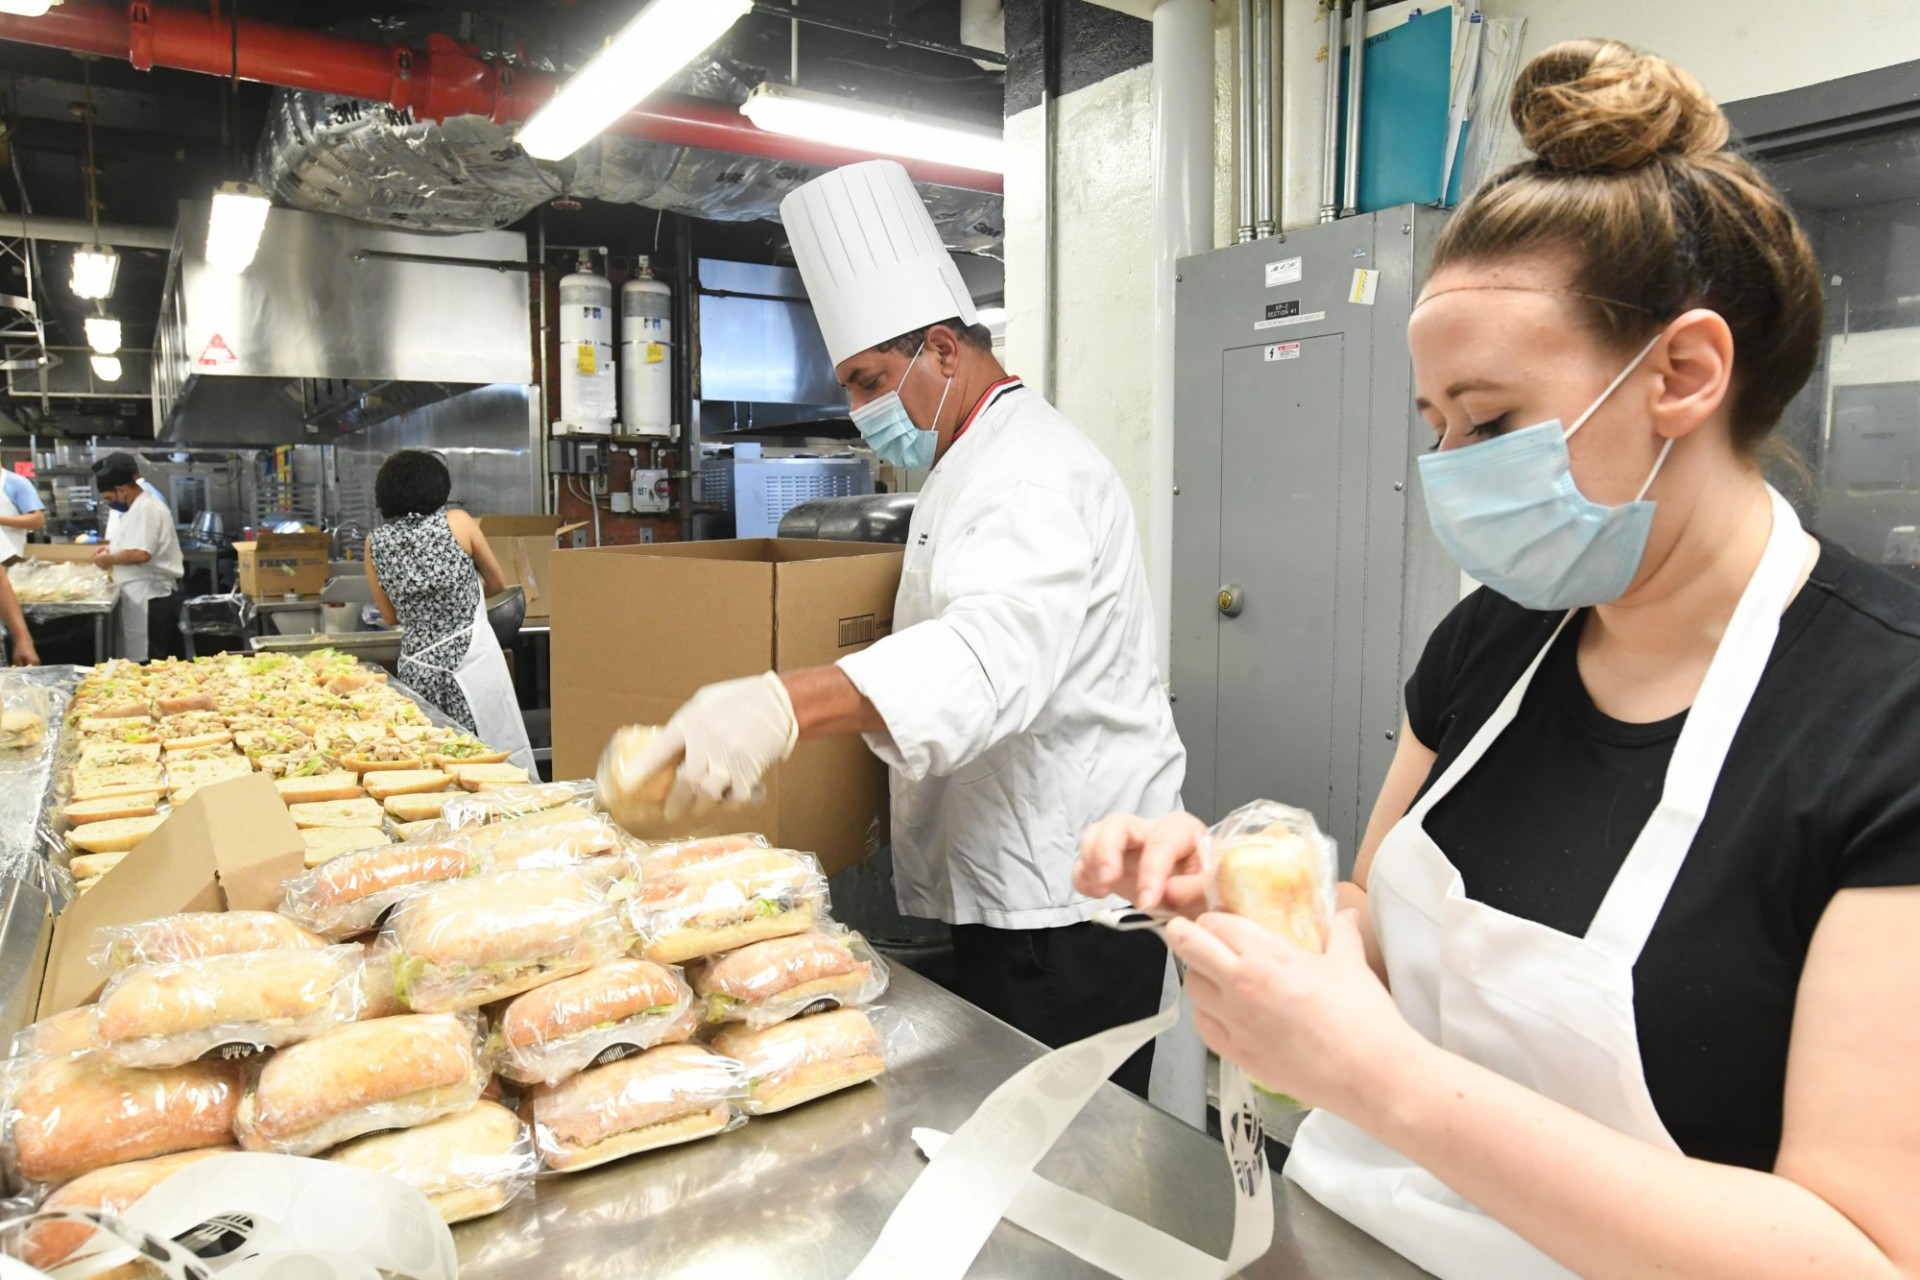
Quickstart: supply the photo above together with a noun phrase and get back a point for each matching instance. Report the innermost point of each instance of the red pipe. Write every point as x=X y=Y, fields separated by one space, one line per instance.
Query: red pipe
x=445 y=79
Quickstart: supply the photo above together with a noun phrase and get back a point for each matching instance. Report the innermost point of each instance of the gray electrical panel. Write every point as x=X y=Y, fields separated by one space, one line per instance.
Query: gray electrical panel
x=1305 y=578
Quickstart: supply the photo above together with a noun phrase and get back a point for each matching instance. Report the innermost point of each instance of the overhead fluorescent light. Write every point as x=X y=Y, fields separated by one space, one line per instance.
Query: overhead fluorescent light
x=666 y=36
x=26 y=8
x=864 y=126
x=233 y=231
x=94 y=269
x=106 y=368
x=103 y=334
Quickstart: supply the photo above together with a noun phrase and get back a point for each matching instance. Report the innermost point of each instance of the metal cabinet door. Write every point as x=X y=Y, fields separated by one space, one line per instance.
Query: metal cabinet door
x=1279 y=492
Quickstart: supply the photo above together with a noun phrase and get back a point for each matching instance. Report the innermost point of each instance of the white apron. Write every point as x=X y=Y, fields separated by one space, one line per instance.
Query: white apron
x=481 y=673
x=1546 y=1009
x=130 y=614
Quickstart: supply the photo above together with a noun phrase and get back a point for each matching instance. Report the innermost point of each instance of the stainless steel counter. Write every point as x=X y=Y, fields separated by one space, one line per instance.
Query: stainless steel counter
x=802 y=1196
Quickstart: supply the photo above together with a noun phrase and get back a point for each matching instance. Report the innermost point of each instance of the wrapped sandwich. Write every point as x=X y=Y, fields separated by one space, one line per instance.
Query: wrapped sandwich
x=637 y=802
x=566 y=1026
x=1270 y=863
x=768 y=982
x=113 y=1189
x=802 y=1059
x=79 y=1113
x=726 y=902
x=390 y=1073
x=470 y=942
x=675 y=1093
x=56 y=1035
x=665 y=859
x=165 y=1015
x=553 y=838
x=347 y=895
x=467 y=1164
x=197 y=935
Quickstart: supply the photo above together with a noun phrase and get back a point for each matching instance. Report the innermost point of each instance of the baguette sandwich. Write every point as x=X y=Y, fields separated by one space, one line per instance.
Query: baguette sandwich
x=483 y=777
x=637 y=802
x=336 y=813
x=384 y=784
x=1272 y=877
x=329 y=787
x=470 y=942
x=467 y=1165
x=80 y=1113
x=143 y=804
x=113 y=1189
x=166 y=1015
x=420 y=806
x=324 y=844
x=347 y=895
x=725 y=903
x=564 y=1027
x=675 y=1093
x=804 y=1058
x=771 y=981
x=56 y=1035
x=377 y=756
x=390 y=1073
x=464 y=749
x=197 y=935
x=114 y=835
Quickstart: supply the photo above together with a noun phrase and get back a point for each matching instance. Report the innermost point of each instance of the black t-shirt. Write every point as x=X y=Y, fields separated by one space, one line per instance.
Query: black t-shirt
x=1820 y=792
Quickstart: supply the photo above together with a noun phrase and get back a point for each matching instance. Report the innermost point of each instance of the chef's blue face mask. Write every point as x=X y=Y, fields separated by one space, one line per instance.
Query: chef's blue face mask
x=888 y=428
x=116 y=505
x=1509 y=513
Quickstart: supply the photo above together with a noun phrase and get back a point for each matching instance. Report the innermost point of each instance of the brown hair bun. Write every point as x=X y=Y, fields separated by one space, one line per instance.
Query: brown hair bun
x=1598 y=106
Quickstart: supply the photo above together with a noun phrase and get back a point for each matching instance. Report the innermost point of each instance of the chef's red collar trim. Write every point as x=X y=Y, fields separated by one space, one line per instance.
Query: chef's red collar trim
x=988 y=398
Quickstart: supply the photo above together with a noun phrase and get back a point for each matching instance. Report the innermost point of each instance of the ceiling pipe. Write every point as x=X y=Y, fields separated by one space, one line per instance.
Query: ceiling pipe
x=443 y=80
x=34 y=226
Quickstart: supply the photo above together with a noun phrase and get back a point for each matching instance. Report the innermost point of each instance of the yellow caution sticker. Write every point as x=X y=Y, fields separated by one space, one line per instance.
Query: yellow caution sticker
x=656 y=352
x=584 y=359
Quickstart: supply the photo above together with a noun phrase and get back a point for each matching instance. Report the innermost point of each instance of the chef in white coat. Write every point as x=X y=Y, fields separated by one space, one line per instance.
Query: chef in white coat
x=142 y=551
x=1017 y=699
x=21 y=513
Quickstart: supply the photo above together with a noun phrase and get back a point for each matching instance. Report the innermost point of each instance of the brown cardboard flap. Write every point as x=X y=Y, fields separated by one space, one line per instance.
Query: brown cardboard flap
x=228 y=848
x=65 y=552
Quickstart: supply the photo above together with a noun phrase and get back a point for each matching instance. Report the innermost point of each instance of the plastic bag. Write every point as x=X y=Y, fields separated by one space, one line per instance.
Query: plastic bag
x=802 y=1059
x=566 y=1026
x=26 y=717
x=665 y=1096
x=196 y=935
x=1270 y=863
x=771 y=981
x=389 y=1073
x=725 y=903
x=165 y=1015
x=467 y=1165
x=481 y=807
x=470 y=942
x=347 y=895
x=556 y=838
x=658 y=860
x=57 y=1035
x=74 y=1114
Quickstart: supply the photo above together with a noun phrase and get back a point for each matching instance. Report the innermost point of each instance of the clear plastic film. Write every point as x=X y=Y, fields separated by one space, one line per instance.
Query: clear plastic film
x=467 y=943
x=481 y=808
x=74 y=1114
x=665 y=858
x=668 y=1095
x=566 y=836
x=165 y=1015
x=114 y=1189
x=467 y=1164
x=197 y=935
x=387 y=1073
x=781 y=978
x=56 y=1035
x=1270 y=863
x=805 y=1058
x=347 y=895
x=57 y=582
x=566 y=1026
x=31 y=705
x=725 y=903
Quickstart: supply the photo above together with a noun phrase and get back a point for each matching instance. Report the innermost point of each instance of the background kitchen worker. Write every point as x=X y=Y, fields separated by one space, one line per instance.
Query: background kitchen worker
x=143 y=551
x=21 y=513
x=15 y=621
x=1016 y=700
x=1644 y=875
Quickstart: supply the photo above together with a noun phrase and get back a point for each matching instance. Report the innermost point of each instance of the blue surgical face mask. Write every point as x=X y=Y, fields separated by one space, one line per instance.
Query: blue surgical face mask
x=121 y=507
x=1509 y=513
x=889 y=431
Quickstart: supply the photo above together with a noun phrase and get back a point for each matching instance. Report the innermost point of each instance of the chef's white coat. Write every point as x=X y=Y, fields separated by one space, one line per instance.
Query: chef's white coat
x=146 y=525
x=1019 y=688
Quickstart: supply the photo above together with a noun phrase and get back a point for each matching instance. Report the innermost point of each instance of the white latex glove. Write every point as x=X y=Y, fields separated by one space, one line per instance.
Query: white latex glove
x=731 y=733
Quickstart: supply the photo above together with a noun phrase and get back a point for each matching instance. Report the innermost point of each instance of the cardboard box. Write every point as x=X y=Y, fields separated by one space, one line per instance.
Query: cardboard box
x=64 y=552
x=637 y=629
x=522 y=544
x=283 y=563
x=229 y=848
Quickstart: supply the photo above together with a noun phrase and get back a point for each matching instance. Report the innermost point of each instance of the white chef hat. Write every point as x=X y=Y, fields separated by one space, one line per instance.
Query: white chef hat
x=871 y=257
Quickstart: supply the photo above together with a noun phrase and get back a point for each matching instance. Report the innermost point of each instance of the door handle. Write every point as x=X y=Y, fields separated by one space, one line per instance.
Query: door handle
x=1231 y=600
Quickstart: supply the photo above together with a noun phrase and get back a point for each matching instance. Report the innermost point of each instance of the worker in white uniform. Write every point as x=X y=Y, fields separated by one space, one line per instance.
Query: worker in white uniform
x=142 y=551
x=1017 y=698
x=1626 y=983
x=21 y=513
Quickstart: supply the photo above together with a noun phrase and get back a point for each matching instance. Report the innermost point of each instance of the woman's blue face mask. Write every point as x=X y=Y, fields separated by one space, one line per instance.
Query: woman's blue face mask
x=1509 y=513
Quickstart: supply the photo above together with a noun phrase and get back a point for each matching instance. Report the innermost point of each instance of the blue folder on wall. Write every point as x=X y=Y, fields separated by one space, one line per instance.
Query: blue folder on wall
x=1403 y=130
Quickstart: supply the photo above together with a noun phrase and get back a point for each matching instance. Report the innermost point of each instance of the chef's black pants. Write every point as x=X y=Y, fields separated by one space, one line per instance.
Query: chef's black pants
x=1065 y=984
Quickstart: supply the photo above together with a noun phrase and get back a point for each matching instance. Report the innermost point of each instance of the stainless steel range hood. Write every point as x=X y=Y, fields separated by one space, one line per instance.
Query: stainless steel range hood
x=334 y=326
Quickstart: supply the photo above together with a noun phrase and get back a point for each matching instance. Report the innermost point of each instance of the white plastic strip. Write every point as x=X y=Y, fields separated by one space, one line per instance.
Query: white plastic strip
x=984 y=1172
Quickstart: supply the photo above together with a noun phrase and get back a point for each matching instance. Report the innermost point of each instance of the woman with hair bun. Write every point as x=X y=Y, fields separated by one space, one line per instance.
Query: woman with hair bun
x=1626 y=980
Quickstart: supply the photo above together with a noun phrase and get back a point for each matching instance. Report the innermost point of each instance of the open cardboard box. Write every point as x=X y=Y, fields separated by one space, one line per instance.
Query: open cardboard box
x=522 y=544
x=282 y=564
x=637 y=629
x=229 y=848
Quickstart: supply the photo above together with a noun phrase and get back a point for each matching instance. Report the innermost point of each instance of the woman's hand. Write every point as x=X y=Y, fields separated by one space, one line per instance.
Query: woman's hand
x=24 y=654
x=1154 y=863
x=1318 y=1026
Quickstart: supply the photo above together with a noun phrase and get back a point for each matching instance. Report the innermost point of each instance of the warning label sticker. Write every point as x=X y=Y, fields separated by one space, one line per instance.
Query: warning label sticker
x=1282 y=351
x=218 y=353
